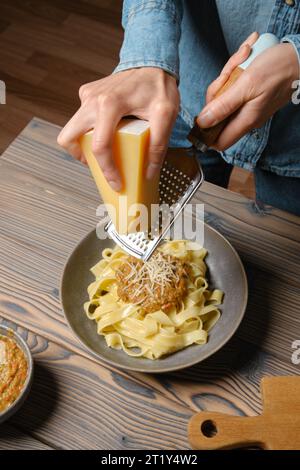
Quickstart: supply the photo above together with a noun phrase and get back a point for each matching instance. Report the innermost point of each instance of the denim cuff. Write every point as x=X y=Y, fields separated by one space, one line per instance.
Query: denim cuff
x=152 y=34
x=294 y=39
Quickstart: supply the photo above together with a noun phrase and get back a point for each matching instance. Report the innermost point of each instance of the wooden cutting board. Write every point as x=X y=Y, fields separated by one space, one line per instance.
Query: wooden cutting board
x=278 y=428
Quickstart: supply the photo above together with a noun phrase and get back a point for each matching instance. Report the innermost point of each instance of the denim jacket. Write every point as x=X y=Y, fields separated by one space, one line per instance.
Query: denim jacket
x=193 y=39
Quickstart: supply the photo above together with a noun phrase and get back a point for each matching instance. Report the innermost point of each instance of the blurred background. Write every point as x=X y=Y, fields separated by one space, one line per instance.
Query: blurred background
x=51 y=47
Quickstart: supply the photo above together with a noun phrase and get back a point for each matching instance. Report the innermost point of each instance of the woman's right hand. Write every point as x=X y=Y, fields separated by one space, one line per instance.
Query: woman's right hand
x=148 y=93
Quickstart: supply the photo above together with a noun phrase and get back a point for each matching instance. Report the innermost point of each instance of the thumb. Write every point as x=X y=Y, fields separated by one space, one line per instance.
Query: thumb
x=224 y=105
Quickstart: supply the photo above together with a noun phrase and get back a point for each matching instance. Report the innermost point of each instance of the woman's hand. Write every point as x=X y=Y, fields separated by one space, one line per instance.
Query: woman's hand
x=148 y=93
x=262 y=89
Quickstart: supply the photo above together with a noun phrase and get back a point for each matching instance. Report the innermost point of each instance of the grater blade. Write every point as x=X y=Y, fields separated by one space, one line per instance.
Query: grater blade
x=180 y=177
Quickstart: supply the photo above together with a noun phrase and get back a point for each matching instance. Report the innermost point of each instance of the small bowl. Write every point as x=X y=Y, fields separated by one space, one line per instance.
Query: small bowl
x=8 y=412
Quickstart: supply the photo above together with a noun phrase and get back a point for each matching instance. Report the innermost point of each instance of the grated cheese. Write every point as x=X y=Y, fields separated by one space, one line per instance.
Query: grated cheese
x=159 y=272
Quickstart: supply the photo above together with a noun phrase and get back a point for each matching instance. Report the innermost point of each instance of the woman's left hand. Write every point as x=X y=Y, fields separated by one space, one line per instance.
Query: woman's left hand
x=261 y=90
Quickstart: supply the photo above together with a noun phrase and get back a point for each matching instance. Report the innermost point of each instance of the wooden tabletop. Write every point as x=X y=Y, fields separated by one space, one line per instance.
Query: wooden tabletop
x=47 y=204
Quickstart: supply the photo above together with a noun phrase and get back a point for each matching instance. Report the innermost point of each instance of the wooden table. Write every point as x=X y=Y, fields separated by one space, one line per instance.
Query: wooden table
x=47 y=204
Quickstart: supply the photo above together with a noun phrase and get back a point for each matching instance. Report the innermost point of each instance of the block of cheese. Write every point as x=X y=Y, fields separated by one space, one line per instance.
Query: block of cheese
x=130 y=152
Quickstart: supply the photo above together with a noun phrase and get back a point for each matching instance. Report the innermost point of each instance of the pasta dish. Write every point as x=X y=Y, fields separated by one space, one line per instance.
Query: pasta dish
x=154 y=308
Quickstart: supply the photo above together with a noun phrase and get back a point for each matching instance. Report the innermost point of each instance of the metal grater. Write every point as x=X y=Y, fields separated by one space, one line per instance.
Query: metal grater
x=181 y=176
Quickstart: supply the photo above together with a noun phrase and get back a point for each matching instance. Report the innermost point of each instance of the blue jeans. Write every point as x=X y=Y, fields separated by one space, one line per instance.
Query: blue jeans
x=282 y=192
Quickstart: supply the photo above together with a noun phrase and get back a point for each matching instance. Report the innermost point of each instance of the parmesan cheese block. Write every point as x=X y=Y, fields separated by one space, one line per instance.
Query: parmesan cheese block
x=130 y=152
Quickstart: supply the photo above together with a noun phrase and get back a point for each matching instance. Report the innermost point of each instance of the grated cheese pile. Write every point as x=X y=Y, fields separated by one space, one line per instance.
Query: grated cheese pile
x=152 y=281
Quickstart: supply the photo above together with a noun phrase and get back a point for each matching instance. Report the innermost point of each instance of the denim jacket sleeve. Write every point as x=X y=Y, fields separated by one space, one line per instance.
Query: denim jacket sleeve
x=294 y=39
x=152 y=33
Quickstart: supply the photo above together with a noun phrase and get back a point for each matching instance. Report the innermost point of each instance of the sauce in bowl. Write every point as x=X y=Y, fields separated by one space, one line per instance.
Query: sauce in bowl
x=13 y=371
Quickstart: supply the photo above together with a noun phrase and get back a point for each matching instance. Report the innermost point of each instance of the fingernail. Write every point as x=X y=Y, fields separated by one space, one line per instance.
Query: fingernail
x=206 y=119
x=152 y=170
x=115 y=185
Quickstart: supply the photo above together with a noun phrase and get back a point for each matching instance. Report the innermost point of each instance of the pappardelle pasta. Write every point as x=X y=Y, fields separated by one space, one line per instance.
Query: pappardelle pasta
x=155 y=308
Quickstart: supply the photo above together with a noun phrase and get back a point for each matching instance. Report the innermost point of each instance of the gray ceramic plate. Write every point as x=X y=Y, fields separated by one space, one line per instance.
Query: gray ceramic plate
x=5 y=331
x=226 y=272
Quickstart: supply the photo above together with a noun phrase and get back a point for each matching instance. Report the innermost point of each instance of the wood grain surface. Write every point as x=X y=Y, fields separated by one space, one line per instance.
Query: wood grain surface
x=47 y=204
x=13 y=438
x=79 y=404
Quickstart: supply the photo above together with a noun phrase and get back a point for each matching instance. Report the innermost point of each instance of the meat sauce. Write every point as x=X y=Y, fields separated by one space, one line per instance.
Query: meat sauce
x=161 y=286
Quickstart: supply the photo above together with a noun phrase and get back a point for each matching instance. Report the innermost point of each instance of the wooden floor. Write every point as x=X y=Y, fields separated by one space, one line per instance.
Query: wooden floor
x=48 y=49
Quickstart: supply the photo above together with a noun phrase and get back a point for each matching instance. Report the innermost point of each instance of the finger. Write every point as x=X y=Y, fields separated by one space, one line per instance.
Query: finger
x=109 y=115
x=215 y=86
x=241 y=55
x=83 y=159
x=238 y=58
x=78 y=125
x=242 y=123
x=224 y=105
x=235 y=60
x=162 y=118
x=75 y=151
x=251 y=39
